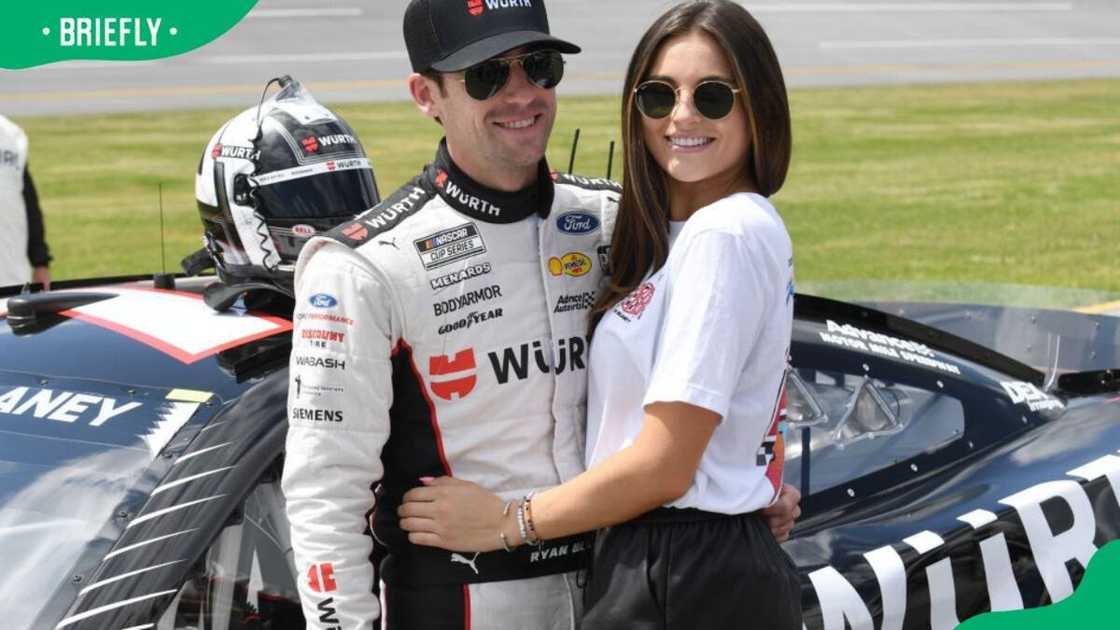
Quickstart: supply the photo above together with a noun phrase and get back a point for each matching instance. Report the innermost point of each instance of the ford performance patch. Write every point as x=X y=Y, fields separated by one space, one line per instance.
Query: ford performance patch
x=449 y=246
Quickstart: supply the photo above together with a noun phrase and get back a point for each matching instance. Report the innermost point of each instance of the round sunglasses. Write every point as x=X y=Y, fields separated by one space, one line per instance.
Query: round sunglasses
x=544 y=68
x=657 y=99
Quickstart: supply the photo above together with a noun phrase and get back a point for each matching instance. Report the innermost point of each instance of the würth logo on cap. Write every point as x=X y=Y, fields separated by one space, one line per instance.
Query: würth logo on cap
x=476 y=7
x=310 y=144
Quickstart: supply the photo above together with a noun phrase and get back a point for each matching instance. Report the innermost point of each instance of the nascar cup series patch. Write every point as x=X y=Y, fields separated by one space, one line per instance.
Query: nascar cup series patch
x=448 y=246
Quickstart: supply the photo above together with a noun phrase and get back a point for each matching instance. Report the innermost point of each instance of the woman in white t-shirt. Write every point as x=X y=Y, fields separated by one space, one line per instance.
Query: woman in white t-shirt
x=688 y=357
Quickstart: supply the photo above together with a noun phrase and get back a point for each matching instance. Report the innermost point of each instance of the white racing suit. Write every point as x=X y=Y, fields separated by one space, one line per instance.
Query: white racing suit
x=443 y=332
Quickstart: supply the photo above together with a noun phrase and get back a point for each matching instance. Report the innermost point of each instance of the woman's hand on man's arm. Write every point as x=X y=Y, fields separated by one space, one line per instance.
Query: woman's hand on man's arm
x=453 y=514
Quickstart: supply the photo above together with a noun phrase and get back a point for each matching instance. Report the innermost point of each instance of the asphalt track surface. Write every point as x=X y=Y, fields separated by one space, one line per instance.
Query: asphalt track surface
x=352 y=50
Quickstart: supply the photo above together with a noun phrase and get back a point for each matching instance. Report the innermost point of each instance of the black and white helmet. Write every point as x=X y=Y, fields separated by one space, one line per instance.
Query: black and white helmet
x=271 y=178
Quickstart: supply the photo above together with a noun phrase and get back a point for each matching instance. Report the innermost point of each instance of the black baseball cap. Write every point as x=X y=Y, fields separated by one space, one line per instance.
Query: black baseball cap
x=452 y=35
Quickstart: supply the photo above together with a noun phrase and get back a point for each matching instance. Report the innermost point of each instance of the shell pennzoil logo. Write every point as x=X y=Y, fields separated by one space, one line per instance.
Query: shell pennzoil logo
x=573 y=264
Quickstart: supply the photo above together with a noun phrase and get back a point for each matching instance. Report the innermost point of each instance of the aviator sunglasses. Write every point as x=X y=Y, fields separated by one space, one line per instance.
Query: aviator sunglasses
x=657 y=99
x=544 y=68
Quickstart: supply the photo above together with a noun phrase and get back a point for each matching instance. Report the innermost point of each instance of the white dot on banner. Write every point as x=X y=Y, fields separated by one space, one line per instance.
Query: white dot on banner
x=174 y=31
x=46 y=30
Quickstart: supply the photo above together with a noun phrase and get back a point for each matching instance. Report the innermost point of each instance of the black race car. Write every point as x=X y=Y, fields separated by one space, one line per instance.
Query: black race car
x=141 y=444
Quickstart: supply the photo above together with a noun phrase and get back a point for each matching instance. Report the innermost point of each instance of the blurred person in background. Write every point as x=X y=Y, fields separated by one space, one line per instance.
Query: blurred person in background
x=24 y=256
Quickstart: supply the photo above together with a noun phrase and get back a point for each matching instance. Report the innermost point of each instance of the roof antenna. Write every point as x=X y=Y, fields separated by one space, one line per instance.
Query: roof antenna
x=572 y=160
x=162 y=280
x=283 y=81
x=610 y=160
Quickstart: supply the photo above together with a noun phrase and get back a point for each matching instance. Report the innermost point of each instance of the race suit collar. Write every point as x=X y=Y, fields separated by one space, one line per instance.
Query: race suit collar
x=484 y=203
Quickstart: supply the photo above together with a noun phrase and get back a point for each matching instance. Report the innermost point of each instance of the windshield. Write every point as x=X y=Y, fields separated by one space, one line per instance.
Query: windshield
x=73 y=454
x=864 y=396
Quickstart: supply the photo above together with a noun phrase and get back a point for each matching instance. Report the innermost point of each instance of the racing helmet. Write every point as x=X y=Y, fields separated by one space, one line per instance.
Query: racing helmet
x=271 y=178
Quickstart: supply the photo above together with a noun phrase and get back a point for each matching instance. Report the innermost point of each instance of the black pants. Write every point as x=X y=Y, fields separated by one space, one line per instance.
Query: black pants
x=691 y=570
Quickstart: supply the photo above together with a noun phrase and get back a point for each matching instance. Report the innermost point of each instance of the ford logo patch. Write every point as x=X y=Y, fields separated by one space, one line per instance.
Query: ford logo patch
x=322 y=300
x=577 y=223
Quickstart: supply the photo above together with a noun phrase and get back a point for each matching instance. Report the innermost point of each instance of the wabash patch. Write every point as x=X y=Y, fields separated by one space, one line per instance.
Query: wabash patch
x=448 y=246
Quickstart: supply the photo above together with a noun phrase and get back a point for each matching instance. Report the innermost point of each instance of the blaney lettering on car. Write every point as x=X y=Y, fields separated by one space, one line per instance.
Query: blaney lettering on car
x=62 y=406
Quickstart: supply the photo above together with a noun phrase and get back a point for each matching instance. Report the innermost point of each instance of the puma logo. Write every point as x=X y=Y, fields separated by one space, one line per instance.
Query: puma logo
x=461 y=559
x=392 y=241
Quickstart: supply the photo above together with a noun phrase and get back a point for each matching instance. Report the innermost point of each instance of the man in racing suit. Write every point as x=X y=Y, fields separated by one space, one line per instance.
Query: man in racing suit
x=444 y=332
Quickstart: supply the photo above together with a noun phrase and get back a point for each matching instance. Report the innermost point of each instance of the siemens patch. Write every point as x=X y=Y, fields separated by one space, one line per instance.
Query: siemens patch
x=446 y=247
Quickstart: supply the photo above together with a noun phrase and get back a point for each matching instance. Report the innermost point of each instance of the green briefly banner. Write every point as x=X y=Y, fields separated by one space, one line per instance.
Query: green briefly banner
x=1093 y=605
x=35 y=33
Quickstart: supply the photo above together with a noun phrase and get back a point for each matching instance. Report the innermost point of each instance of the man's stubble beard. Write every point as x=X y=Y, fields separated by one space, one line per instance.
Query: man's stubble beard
x=523 y=155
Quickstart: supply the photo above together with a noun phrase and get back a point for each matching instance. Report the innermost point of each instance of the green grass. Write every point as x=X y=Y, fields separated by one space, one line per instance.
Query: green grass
x=993 y=183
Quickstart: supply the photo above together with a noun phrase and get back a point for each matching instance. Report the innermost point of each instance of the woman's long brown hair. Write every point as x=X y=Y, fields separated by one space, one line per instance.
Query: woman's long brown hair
x=641 y=234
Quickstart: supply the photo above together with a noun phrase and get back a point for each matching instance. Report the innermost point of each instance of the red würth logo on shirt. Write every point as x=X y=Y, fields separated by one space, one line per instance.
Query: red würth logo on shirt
x=320 y=577
x=474 y=7
x=460 y=369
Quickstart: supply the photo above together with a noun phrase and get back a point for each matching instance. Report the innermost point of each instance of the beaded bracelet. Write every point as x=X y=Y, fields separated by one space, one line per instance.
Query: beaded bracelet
x=534 y=538
x=521 y=522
